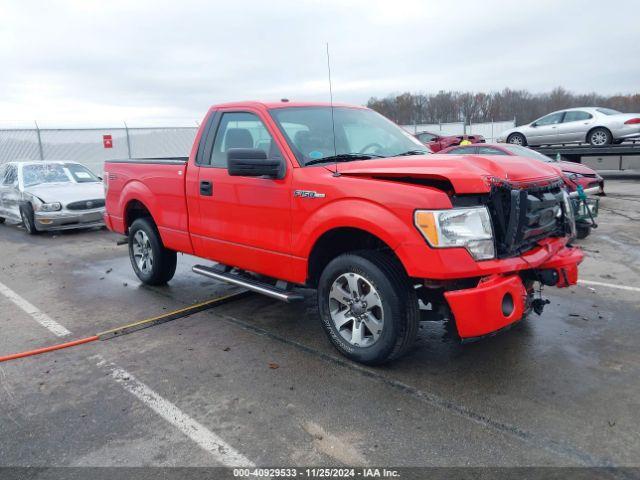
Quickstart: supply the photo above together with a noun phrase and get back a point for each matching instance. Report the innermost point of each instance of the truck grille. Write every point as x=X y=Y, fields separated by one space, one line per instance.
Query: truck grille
x=86 y=204
x=523 y=216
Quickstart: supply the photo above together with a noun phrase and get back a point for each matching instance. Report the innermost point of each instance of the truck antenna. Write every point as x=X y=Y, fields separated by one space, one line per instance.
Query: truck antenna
x=333 y=123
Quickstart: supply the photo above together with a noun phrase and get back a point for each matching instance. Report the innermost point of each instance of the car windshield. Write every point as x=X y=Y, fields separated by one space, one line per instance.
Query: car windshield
x=80 y=173
x=44 y=173
x=360 y=134
x=527 y=152
x=608 y=111
x=37 y=174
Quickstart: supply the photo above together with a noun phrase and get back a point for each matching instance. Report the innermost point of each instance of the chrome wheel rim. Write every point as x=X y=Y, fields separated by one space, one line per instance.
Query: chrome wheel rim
x=356 y=309
x=142 y=252
x=599 y=138
x=516 y=140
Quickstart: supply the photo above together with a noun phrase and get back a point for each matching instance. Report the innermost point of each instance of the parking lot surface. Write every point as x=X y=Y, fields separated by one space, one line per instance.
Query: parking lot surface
x=255 y=381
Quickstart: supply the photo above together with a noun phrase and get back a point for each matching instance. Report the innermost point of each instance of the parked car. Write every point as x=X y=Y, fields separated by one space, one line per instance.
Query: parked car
x=343 y=200
x=573 y=174
x=437 y=142
x=51 y=195
x=594 y=125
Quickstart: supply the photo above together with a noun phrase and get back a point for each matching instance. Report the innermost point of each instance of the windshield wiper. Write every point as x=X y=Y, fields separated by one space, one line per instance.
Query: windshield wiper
x=412 y=152
x=344 y=157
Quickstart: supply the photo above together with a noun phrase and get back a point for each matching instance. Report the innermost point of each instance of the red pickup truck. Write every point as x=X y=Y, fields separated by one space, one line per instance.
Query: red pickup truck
x=338 y=198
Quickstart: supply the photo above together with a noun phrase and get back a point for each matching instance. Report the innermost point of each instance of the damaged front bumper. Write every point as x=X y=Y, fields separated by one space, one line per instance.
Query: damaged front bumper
x=500 y=300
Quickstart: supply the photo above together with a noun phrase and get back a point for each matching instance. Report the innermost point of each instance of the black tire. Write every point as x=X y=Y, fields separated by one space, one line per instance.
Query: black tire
x=582 y=231
x=163 y=265
x=517 y=139
x=26 y=213
x=2 y=219
x=397 y=297
x=599 y=137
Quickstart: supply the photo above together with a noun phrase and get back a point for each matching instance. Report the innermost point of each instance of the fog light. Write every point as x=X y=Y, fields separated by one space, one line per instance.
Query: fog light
x=45 y=221
x=507 y=304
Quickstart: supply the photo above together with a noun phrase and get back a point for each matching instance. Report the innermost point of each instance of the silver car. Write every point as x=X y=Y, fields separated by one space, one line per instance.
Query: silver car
x=594 y=125
x=51 y=195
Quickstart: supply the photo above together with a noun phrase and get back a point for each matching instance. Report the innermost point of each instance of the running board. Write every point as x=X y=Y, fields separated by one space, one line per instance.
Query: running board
x=254 y=285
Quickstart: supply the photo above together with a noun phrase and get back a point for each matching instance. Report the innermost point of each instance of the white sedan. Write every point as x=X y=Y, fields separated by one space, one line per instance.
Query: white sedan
x=593 y=125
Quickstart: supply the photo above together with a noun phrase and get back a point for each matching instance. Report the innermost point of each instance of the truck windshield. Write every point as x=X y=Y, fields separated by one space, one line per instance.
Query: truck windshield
x=360 y=134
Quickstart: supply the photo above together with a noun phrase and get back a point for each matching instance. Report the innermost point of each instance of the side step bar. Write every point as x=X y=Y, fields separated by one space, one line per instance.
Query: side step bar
x=250 y=284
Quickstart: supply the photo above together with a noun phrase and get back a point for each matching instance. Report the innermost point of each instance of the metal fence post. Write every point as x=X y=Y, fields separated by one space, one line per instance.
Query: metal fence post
x=40 y=150
x=126 y=129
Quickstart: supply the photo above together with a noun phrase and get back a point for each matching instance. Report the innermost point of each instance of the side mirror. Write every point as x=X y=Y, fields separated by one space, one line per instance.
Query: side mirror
x=534 y=124
x=253 y=162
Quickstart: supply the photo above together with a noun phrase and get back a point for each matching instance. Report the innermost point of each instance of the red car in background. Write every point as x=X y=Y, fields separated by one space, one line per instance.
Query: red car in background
x=572 y=173
x=439 y=142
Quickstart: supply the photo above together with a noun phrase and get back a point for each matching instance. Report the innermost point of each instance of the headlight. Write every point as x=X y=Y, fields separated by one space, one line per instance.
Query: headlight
x=569 y=216
x=50 y=207
x=458 y=227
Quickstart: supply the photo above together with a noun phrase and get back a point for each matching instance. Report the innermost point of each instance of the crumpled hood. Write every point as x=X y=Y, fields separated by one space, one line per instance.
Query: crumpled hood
x=465 y=173
x=66 y=192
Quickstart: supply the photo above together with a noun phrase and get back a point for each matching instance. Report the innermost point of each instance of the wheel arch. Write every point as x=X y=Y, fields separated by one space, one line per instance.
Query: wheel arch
x=339 y=240
x=586 y=138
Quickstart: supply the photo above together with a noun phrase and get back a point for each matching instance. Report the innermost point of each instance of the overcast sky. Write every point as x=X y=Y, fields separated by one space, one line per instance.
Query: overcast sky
x=85 y=62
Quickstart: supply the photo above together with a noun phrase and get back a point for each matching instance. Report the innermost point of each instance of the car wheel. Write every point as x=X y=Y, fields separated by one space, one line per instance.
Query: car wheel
x=582 y=231
x=599 y=137
x=517 y=139
x=152 y=262
x=2 y=220
x=26 y=213
x=368 y=307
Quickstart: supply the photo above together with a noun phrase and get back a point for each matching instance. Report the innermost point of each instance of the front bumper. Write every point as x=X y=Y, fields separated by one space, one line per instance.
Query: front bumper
x=500 y=300
x=67 y=220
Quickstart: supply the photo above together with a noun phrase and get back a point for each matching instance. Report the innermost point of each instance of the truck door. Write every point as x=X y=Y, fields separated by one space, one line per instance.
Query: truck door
x=243 y=222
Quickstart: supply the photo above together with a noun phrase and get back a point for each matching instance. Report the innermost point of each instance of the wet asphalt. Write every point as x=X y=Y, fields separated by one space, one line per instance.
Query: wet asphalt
x=559 y=389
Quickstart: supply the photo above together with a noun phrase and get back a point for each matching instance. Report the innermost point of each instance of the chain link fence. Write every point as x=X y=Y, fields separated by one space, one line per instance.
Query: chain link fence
x=92 y=147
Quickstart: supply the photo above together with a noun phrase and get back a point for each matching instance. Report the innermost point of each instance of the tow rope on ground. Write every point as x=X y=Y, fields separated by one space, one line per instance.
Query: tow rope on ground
x=134 y=327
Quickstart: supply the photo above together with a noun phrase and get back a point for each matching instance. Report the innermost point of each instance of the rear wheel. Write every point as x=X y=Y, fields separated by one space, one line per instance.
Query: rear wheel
x=599 y=137
x=367 y=306
x=151 y=261
x=2 y=220
x=26 y=213
x=517 y=139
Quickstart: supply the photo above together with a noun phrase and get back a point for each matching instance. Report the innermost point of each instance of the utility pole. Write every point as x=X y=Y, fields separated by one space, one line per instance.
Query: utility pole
x=40 y=150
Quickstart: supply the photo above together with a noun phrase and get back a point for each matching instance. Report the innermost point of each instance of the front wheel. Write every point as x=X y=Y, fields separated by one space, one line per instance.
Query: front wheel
x=367 y=306
x=517 y=139
x=26 y=213
x=582 y=231
x=151 y=261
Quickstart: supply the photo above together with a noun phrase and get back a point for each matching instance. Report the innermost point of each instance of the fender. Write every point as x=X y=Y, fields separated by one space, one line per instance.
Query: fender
x=135 y=190
x=363 y=214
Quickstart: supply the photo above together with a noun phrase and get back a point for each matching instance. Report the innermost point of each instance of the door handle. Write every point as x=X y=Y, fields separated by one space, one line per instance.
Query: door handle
x=206 y=188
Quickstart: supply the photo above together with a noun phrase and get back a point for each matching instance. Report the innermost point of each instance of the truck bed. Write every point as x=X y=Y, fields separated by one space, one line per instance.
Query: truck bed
x=160 y=182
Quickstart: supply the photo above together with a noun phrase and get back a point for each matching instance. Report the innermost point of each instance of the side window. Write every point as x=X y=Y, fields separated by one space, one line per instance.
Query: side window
x=576 y=116
x=463 y=151
x=426 y=137
x=490 y=151
x=550 y=119
x=240 y=130
x=10 y=175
